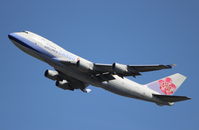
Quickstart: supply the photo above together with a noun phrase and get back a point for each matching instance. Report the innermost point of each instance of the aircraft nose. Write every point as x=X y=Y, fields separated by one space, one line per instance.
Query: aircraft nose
x=11 y=36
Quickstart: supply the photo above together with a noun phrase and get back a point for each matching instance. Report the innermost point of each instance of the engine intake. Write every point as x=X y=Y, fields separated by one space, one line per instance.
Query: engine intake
x=64 y=84
x=119 y=68
x=84 y=65
x=51 y=74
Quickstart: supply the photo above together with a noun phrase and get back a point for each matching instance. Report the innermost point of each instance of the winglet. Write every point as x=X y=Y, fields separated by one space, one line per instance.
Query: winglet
x=171 y=65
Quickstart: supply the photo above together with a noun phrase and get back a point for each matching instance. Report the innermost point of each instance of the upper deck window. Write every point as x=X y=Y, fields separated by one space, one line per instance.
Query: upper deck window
x=25 y=32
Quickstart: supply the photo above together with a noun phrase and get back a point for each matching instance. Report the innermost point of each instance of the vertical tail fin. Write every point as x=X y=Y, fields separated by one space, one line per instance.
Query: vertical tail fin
x=167 y=85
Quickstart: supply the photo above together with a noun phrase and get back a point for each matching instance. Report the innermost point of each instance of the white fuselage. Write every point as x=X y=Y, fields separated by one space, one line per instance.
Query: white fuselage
x=48 y=52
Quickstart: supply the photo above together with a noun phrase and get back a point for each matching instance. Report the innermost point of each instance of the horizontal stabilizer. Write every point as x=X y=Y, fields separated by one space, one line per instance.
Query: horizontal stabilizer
x=168 y=98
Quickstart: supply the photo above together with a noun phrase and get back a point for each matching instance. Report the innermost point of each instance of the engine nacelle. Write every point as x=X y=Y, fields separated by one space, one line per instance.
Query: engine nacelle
x=64 y=84
x=120 y=68
x=84 y=65
x=51 y=74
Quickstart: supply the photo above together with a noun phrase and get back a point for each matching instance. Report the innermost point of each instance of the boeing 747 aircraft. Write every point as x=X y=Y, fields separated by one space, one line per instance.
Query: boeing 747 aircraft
x=74 y=72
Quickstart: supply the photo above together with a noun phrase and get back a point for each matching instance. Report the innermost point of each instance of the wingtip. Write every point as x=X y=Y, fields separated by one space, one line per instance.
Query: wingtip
x=188 y=98
x=171 y=65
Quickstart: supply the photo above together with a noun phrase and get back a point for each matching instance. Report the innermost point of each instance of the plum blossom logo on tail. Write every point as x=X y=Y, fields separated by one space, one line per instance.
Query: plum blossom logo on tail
x=166 y=86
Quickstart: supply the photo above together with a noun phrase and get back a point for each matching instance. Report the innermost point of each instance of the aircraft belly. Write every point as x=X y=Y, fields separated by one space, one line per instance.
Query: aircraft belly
x=119 y=87
x=128 y=88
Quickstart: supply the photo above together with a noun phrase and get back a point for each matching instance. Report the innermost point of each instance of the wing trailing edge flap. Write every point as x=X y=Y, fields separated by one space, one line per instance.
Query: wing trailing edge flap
x=146 y=68
x=128 y=70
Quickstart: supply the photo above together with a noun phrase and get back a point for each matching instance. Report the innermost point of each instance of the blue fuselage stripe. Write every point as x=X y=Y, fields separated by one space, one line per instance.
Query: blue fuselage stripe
x=30 y=45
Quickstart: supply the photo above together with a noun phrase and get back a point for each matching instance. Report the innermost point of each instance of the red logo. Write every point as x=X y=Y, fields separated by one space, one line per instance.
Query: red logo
x=166 y=86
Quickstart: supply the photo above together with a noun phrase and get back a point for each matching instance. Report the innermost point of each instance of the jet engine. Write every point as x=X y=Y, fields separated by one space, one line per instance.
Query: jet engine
x=119 y=68
x=84 y=66
x=64 y=84
x=51 y=74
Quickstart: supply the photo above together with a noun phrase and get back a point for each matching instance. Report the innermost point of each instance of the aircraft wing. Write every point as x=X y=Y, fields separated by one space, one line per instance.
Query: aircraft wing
x=128 y=70
x=106 y=70
x=145 y=68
